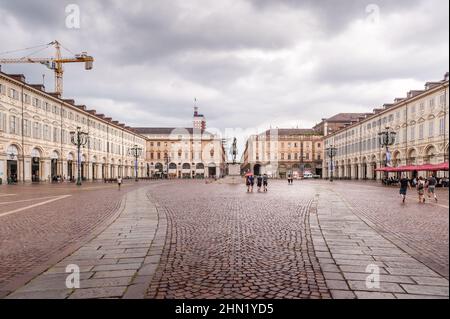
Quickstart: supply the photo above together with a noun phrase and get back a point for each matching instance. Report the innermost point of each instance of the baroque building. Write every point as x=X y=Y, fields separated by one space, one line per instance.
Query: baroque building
x=35 y=143
x=279 y=152
x=190 y=152
x=420 y=121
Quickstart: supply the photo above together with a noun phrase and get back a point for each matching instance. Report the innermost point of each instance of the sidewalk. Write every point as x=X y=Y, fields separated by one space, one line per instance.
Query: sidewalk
x=119 y=263
x=346 y=245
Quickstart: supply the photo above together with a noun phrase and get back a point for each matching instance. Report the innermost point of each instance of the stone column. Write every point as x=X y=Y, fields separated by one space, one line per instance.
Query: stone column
x=27 y=169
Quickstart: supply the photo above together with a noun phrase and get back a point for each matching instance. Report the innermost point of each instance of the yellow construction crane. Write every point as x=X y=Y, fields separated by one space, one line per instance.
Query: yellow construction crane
x=55 y=63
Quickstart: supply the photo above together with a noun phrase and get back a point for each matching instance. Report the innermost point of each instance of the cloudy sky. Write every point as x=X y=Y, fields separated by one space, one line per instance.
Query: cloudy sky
x=251 y=64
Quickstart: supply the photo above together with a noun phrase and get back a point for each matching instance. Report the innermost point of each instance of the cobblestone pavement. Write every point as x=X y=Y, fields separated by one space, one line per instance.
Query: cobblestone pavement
x=225 y=243
x=420 y=229
x=351 y=248
x=30 y=236
x=114 y=264
x=188 y=239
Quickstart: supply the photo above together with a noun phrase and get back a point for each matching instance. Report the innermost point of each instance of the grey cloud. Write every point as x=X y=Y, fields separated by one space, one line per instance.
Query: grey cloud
x=249 y=62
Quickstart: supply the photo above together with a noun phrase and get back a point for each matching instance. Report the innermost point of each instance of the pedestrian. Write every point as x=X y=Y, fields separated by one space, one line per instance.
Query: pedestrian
x=248 y=181
x=265 y=182
x=421 y=189
x=289 y=178
x=119 y=181
x=431 y=186
x=259 y=181
x=404 y=185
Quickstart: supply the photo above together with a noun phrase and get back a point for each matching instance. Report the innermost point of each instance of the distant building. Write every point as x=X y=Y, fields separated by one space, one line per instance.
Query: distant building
x=199 y=120
x=336 y=122
x=190 y=152
x=278 y=152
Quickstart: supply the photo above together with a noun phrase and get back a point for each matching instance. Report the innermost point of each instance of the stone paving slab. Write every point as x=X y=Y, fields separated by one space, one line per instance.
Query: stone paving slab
x=352 y=246
x=111 y=265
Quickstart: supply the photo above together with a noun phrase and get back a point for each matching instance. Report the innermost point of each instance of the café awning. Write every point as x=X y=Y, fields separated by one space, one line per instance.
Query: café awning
x=420 y=168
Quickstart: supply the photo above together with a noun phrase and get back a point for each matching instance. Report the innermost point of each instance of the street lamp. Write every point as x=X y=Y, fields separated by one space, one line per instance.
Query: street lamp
x=136 y=152
x=167 y=158
x=386 y=139
x=331 y=152
x=79 y=139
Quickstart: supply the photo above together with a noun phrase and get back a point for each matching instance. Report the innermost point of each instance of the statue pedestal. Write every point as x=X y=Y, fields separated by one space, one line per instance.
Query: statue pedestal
x=234 y=174
x=234 y=170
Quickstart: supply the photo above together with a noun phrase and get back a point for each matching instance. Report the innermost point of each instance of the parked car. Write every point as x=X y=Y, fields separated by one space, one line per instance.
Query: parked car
x=308 y=176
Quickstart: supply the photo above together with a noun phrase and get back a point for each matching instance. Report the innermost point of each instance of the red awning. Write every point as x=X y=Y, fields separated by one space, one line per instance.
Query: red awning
x=411 y=168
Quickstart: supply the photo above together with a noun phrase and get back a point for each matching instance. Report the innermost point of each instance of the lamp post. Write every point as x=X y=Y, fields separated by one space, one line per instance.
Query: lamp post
x=136 y=152
x=331 y=152
x=386 y=139
x=167 y=158
x=79 y=139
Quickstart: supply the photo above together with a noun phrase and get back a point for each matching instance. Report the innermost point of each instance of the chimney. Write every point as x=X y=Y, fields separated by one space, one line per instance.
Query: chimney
x=55 y=94
x=69 y=101
x=39 y=87
x=17 y=77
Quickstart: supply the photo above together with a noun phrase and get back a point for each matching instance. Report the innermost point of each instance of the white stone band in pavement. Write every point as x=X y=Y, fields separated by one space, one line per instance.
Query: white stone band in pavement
x=345 y=246
x=115 y=264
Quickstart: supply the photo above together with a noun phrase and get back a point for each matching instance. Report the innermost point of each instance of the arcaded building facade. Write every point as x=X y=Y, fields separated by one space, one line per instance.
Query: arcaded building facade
x=420 y=121
x=279 y=152
x=190 y=152
x=35 y=142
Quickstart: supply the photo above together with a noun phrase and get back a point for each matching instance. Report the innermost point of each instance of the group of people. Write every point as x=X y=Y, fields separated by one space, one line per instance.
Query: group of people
x=421 y=184
x=262 y=181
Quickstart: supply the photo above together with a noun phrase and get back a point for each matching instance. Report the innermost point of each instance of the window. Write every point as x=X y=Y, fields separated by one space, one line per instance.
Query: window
x=46 y=133
x=442 y=100
x=421 y=131
x=47 y=107
x=36 y=130
x=413 y=109
x=441 y=126
x=26 y=128
x=13 y=94
x=36 y=102
x=55 y=135
x=431 y=128
x=2 y=122
x=431 y=102
x=64 y=136
x=26 y=98
x=412 y=134
x=422 y=107
x=14 y=125
x=2 y=89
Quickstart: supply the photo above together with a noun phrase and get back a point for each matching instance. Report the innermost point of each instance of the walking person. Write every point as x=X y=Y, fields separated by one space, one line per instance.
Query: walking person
x=259 y=181
x=265 y=181
x=404 y=185
x=119 y=182
x=421 y=189
x=431 y=186
x=289 y=178
x=249 y=181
